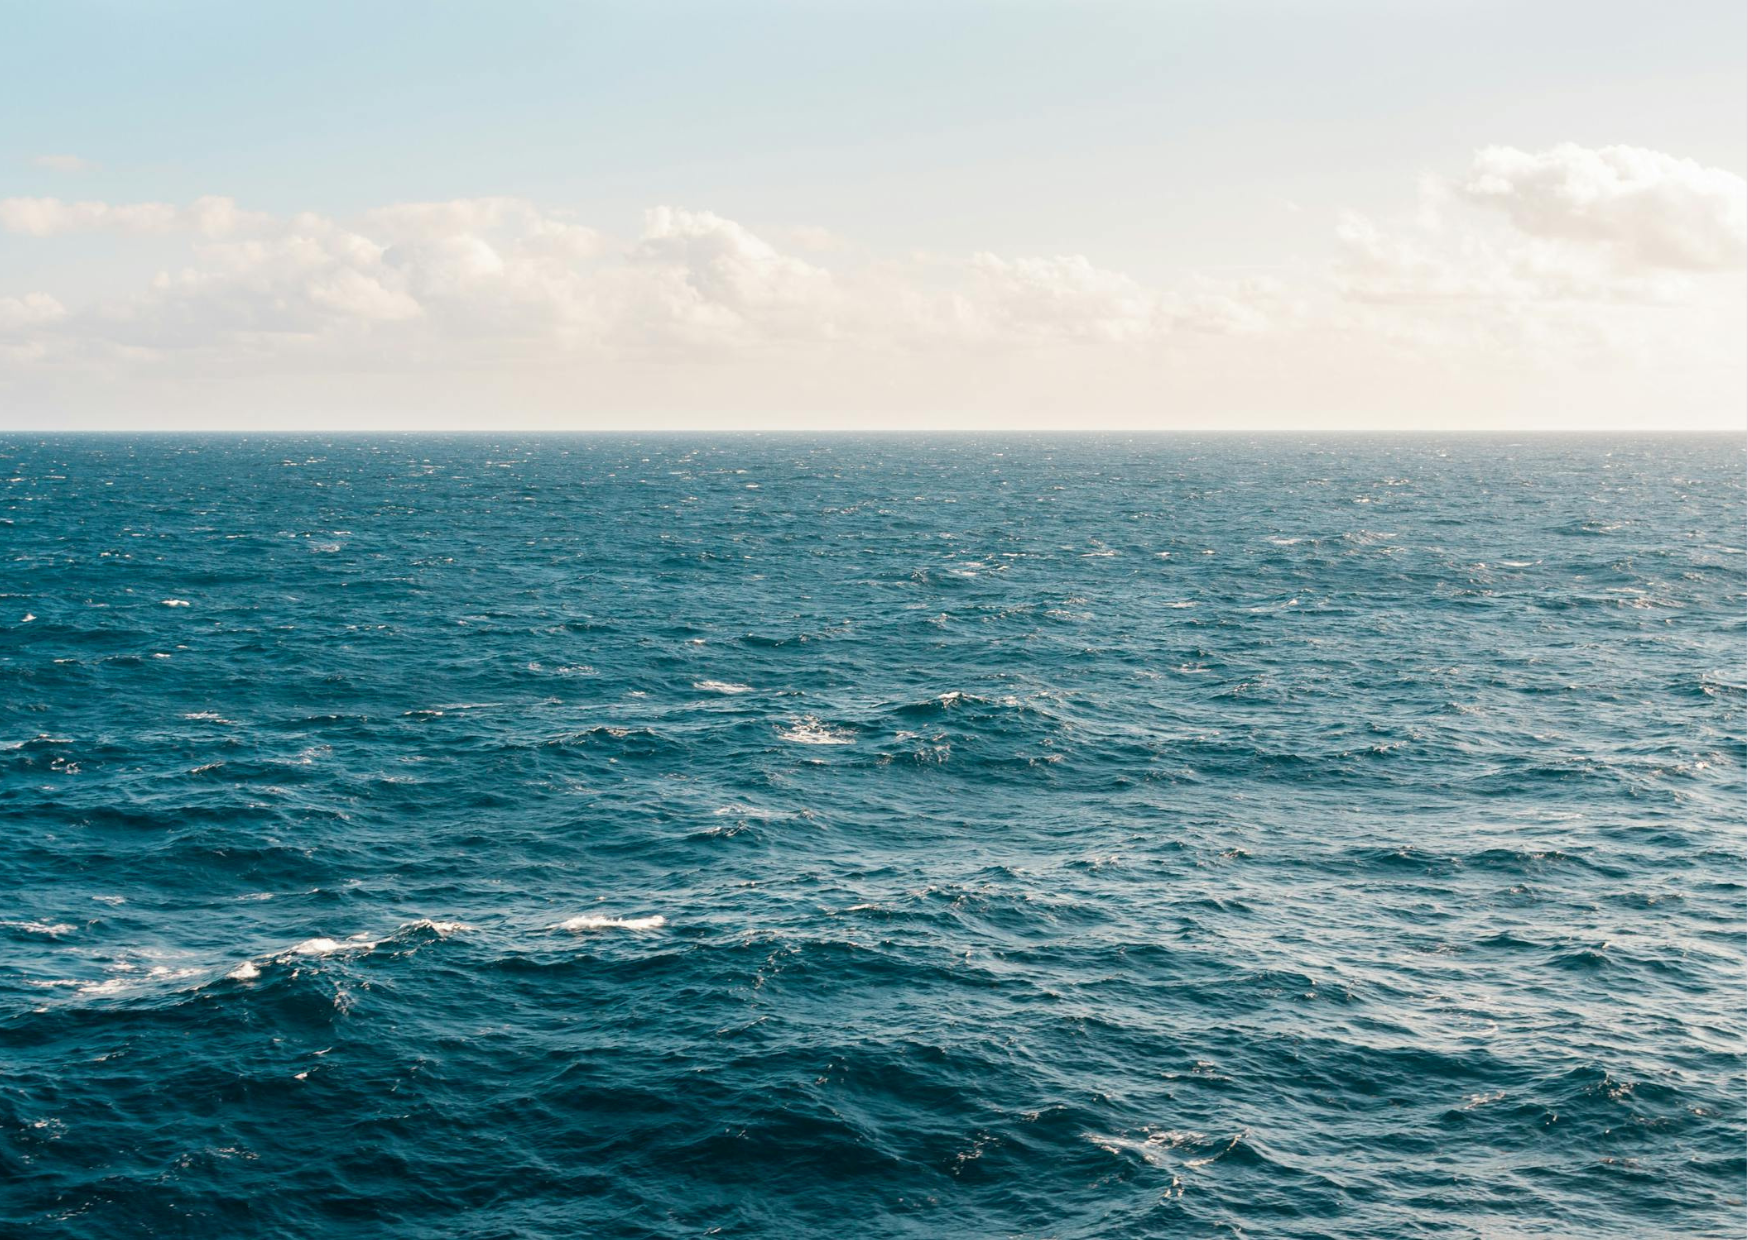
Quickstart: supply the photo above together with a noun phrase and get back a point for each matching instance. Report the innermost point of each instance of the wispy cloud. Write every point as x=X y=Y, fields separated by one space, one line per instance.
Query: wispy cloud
x=64 y=163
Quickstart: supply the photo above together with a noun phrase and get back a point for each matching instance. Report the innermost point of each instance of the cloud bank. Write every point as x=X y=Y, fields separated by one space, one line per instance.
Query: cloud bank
x=1550 y=264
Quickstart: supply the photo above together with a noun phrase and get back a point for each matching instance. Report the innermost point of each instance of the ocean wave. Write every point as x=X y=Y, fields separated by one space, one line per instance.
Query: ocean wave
x=1119 y=921
x=602 y=921
x=808 y=730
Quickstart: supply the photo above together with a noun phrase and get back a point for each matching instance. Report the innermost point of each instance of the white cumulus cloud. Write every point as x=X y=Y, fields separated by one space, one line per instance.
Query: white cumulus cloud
x=1567 y=262
x=1651 y=208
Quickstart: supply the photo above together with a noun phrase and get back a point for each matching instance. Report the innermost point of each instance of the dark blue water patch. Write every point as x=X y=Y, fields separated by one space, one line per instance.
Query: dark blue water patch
x=543 y=837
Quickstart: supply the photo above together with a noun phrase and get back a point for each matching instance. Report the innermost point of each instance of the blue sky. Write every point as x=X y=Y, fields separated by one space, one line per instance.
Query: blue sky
x=1172 y=145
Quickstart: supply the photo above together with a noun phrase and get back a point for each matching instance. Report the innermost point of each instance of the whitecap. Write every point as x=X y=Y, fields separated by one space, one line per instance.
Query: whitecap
x=177 y=602
x=1152 y=1149
x=751 y=811
x=126 y=979
x=810 y=731
x=321 y=946
x=54 y=929
x=721 y=686
x=1166 y=1148
x=600 y=921
x=316 y=947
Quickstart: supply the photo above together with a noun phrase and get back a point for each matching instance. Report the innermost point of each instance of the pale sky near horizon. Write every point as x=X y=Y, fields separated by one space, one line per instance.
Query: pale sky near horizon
x=1000 y=215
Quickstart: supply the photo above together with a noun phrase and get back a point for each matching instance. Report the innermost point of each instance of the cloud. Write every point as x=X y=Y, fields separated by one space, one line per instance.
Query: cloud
x=470 y=276
x=1570 y=257
x=458 y=217
x=701 y=271
x=30 y=310
x=1066 y=300
x=20 y=319
x=51 y=217
x=1566 y=258
x=64 y=163
x=1061 y=298
x=245 y=299
x=1429 y=261
x=1651 y=209
x=1562 y=263
x=813 y=238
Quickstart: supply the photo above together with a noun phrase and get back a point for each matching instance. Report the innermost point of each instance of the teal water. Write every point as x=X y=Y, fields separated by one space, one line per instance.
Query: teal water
x=756 y=836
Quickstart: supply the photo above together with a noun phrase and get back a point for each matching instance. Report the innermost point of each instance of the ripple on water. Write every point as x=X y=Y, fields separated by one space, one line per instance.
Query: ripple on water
x=1053 y=837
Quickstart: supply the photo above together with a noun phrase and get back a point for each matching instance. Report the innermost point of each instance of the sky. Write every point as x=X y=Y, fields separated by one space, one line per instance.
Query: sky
x=1403 y=215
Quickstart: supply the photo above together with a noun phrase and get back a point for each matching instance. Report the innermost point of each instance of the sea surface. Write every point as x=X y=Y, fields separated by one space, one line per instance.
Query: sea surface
x=521 y=837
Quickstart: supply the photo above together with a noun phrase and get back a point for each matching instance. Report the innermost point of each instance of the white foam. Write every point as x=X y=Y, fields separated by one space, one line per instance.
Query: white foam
x=1161 y=1148
x=810 y=731
x=248 y=971
x=600 y=921
x=327 y=947
x=316 y=947
x=721 y=686
x=176 y=602
x=443 y=928
x=751 y=811
x=127 y=978
x=54 y=929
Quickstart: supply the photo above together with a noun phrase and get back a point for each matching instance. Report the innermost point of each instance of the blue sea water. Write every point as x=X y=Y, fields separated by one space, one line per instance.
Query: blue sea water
x=524 y=837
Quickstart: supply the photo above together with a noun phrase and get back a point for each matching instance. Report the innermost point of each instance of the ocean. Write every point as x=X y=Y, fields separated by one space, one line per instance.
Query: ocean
x=783 y=836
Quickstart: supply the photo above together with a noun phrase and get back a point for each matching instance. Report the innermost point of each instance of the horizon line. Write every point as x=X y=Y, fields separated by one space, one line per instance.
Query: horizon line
x=906 y=433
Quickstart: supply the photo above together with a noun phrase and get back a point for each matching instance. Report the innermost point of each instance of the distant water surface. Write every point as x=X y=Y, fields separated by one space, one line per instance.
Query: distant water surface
x=1052 y=837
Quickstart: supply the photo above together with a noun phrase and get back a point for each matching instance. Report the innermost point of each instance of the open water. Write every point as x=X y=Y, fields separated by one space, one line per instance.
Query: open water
x=527 y=837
